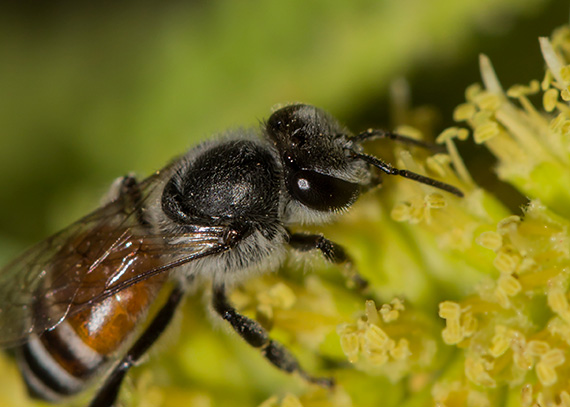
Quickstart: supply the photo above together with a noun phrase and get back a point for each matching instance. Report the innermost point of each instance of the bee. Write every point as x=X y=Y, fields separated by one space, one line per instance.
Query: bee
x=72 y=306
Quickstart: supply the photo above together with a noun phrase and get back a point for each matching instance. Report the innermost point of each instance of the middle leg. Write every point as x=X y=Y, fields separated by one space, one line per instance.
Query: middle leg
x=332 y=252
x=255 y=335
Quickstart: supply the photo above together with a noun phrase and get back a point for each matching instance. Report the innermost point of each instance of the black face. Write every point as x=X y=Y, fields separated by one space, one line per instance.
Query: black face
x=315 y=153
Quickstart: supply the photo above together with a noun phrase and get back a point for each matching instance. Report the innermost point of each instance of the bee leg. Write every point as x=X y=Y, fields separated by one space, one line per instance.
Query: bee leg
x=255 y=335
x=333 y=252
x=126 y=185
x=128 y=189
x=108 y=392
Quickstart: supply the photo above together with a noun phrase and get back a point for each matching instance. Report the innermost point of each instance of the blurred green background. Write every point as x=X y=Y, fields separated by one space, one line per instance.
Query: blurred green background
x=91 y=92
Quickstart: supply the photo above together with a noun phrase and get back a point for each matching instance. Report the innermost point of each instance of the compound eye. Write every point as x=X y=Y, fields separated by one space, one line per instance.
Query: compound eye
x=322 y=192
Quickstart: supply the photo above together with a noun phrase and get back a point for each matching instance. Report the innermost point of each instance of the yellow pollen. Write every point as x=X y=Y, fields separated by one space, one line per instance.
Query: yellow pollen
x=409 y=131
x=565 y=127
x=537 y=348
x=375 y=339
x=509 y=224
x=378 y=358
x=488 y=101
x=371 y=312
x=518 y=91
x=279 y=295
x=452 y=333
x=553 y=357
x=557 y=326
x=565 y=73
x=500 y=342
x=506 y=261
x=482 y=117
x=490 y=240
x=464 y=111
x=402 y=350
x=469 y=324
x=350 y=344
x=389 y=314
x=549 y=99
x=565 y=94
x=397 y=304
x=502 y=298
x=436 y=166
x=510 y=285
x=486 y=132
x=546 y=374
x=449 y=310
x=558 y=302
x=447 y=134
x=559 y=123
x=473 y=91
x=518 y=345
x=401 y=212
x=476 y=369
x=435 y=201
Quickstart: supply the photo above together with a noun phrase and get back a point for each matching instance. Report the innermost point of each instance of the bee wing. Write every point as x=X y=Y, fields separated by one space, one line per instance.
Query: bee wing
x=94 y=258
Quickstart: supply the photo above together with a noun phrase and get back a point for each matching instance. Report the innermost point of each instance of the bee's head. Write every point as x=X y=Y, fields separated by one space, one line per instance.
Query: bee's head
x=317 y=155
x=324 y=167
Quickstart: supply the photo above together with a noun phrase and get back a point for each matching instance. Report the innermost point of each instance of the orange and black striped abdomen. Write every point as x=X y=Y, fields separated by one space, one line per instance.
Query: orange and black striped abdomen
x=60 y=362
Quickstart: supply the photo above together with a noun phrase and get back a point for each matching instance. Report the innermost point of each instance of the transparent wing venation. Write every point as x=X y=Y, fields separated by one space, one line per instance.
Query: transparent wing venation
x=94 y=258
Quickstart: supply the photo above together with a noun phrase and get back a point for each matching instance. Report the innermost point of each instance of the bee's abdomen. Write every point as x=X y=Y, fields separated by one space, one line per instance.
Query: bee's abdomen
x=59 y=363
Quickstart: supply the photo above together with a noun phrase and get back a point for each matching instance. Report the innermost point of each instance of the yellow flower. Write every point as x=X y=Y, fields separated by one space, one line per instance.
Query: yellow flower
x=513 y=331
x=505 y=276
x=498 y=281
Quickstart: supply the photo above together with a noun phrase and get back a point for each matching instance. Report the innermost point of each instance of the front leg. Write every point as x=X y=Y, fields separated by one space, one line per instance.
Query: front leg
x=333 y=252
x=128 y=189
x=255 y=335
